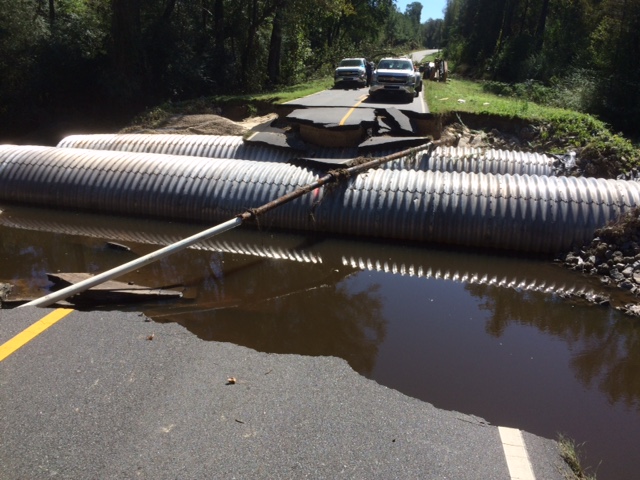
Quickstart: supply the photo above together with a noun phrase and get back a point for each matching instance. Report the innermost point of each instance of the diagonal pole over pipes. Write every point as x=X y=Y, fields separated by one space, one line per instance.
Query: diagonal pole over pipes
x=358 y=165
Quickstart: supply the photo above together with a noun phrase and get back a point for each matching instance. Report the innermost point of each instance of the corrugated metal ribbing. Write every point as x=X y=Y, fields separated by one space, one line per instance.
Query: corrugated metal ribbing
x=514 y=280
x=165 y=186
x=444 y=159
x=211 y=146
x=526 y=213
x=451 y=159
x=518 y=212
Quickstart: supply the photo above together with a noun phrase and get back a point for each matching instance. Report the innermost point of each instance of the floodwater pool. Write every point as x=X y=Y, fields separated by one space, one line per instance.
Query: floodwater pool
x=507 y=338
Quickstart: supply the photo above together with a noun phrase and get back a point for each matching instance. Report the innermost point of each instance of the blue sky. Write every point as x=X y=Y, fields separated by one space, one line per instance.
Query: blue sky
x=430 y=8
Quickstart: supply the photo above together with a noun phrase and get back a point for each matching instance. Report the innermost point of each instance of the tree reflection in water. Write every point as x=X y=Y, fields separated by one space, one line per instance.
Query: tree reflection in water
x=281 y=307
x=605 y=347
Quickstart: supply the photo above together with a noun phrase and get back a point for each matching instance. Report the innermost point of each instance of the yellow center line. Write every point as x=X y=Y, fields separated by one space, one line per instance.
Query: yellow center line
x=33 y=331
x=344 y=119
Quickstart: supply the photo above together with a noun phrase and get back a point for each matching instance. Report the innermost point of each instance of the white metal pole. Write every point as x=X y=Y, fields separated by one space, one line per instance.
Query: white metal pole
x=132 y=265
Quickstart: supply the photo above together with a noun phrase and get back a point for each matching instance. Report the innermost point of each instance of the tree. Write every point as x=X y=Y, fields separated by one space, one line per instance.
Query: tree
x=612 y=43
x=275 y=46
x=414 y=12
x=433 y=33
x=126 y=54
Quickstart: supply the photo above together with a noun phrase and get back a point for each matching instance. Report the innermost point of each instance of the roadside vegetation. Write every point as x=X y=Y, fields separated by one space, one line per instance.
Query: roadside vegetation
x=601 y=151
x=572 y=54
x=570 y=453
x=74 y=60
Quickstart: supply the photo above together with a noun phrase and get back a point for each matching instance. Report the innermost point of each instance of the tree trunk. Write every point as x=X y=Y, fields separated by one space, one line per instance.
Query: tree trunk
x=204 y=14
x=52 y=12
x=504 y=25
x=542 y=21
x=125 y=30
x=275 y=47
x=219 y=51
x=524 y=18
x=168 y=10
x=248 y=50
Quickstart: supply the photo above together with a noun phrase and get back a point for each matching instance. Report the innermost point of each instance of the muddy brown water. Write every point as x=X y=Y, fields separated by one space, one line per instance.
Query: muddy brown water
x=504 y=337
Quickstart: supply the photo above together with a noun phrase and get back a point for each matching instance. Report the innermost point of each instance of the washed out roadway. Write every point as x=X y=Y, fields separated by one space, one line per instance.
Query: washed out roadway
x=359 y=98
x=115 y=395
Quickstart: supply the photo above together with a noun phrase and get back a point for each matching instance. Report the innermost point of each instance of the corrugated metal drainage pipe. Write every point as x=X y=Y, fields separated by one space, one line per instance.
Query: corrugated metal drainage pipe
x=443 y=159
x=516 y=212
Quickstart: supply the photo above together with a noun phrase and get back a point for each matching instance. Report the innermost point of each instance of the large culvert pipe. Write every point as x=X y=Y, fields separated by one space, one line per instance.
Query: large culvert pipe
x=443 y=159
x=516 y=212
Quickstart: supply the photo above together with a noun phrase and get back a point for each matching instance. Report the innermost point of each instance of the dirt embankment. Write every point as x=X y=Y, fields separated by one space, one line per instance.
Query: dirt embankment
x=205 y=124
x=458 y=130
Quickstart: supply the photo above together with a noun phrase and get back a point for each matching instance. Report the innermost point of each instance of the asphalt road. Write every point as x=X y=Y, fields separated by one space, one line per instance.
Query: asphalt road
x=359 y=98
x=111 y=395
x=420 y=54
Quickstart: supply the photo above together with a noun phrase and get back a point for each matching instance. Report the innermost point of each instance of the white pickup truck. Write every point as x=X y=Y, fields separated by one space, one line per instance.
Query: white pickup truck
x=397 y=76
x=350 y=72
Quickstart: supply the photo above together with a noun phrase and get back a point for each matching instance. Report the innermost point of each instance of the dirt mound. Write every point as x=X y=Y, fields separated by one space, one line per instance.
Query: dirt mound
x=202 y=124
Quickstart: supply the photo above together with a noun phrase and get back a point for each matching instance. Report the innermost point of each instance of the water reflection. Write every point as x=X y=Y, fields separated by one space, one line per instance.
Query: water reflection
x=610 y=359
x=506 y=338
x=227 y=283
x=307 y=315
x=606 y=354
x=531 y=274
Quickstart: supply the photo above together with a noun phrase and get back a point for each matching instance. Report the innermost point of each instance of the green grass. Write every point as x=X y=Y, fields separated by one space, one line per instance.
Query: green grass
x=282 y=95
x=467 y=96
x=560 y=129
x=297 y=91
x=569 y=452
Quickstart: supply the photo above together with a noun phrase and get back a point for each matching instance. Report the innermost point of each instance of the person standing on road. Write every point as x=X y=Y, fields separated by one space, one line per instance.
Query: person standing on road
x=368 y=66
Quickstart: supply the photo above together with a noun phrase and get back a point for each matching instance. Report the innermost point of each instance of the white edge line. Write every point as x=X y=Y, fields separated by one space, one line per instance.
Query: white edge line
x=515 y=453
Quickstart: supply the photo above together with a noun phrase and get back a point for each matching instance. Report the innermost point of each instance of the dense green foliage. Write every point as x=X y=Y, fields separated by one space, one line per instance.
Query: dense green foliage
x=90 y=59
x=584 y=50
x=66 y=58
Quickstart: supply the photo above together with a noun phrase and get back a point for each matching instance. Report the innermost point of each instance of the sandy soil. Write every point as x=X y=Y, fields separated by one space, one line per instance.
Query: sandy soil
x=205 y=124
